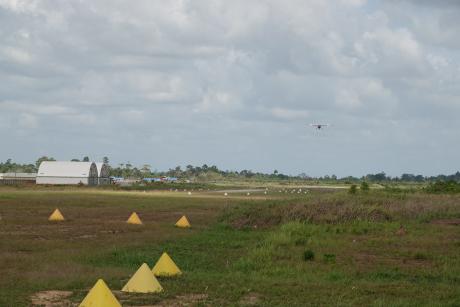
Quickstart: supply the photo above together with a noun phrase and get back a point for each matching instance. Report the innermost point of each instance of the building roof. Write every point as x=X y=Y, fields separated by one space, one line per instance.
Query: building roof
x=18 y=175
x=65 y=169
x=102 y=169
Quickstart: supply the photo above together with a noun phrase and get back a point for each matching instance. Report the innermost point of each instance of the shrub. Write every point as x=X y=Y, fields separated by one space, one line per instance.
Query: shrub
x=308 y=255
x=443 y=187
x=364 y=186
x=352 y=189
x=329 y=258
x=301 y=241
x=420 y=256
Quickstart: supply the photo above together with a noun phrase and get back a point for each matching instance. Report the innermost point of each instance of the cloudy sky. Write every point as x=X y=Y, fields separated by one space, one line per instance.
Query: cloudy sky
x=234 y=83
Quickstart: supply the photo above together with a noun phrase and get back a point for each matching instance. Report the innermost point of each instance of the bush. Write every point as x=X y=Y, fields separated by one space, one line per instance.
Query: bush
x=420 y=256
x=308 y=255
x=443 y=187
x=364 y=186
x=353 y=189
x=301 y=241
x=329 y=258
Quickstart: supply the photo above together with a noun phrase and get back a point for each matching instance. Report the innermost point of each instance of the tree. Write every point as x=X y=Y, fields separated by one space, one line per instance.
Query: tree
x=41 y=159
x=146 y=169
x=379 y=177
x=407 y=177
x=86 y=159
x=29 y=168
x=303 y=176
x=105 y=160
x=75 y=160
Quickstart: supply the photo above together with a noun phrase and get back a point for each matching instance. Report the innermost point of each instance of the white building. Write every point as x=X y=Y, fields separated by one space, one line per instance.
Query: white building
x=17 y=178
x=65 y=172
x=103 y=173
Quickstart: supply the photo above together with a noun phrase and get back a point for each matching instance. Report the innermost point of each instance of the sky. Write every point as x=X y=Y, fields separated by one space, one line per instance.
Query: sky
x=234 y=84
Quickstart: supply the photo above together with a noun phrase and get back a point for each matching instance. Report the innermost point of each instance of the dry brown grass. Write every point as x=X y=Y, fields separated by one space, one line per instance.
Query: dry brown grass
x=333 y=208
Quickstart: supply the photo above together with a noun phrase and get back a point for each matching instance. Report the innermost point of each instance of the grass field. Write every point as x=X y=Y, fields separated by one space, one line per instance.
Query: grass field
x=281 y=249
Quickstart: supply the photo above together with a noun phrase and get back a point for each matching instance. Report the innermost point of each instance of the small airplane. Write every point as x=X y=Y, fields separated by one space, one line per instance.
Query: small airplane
x=319 y=126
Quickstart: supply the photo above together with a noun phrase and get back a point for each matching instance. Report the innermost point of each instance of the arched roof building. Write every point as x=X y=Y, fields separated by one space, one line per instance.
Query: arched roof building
x=103 y=173
x=64 y=172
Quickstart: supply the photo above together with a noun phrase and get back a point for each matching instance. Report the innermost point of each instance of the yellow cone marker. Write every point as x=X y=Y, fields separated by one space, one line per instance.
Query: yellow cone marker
x=165 y=266
x=134 y=219
x=56 y=216
x=183 y=222
x=100 y=296
x=143 y=281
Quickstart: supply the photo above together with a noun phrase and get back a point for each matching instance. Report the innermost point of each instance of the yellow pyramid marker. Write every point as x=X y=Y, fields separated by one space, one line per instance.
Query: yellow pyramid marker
x=56 y=216
x=143 y=281
x=100 y=296
x=134 y=219
x=183 y=222
x=165 y=266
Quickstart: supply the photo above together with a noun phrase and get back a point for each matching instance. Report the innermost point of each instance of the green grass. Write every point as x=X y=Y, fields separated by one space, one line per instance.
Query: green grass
x=239 y=250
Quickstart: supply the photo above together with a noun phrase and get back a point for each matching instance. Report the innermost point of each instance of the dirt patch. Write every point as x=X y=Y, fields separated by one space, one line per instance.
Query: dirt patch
x=250 y=299
x=182 y=300
x=126 y=299
x=85 y=237
x=52 y=298
x=453 y=222
x=255 y=222
x=367 y=261
x=401 y=231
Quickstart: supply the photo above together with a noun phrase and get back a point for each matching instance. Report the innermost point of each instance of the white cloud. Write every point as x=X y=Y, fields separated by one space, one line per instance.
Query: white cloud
x=132 y=116
x=354 y=2
x=218 y=102
x=28 y=121
x=438 y=62
x=20 y=6
x=366 y=95
x=289 y=114
x=348 y=98
x=15 y=54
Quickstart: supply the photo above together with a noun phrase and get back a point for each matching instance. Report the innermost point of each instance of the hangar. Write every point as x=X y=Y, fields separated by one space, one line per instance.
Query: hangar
x=66 y=172
x=103 y=173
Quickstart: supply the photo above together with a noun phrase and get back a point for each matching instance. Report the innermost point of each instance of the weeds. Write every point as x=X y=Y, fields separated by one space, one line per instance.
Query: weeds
x=329 y=258
x=420 y=256
x=353 y=189
x=440 y=187
x=308 y=255
x=364 y=186
x=374 y=206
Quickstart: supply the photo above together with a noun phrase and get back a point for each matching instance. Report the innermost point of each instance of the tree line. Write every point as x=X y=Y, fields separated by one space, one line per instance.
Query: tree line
x=205 y=172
